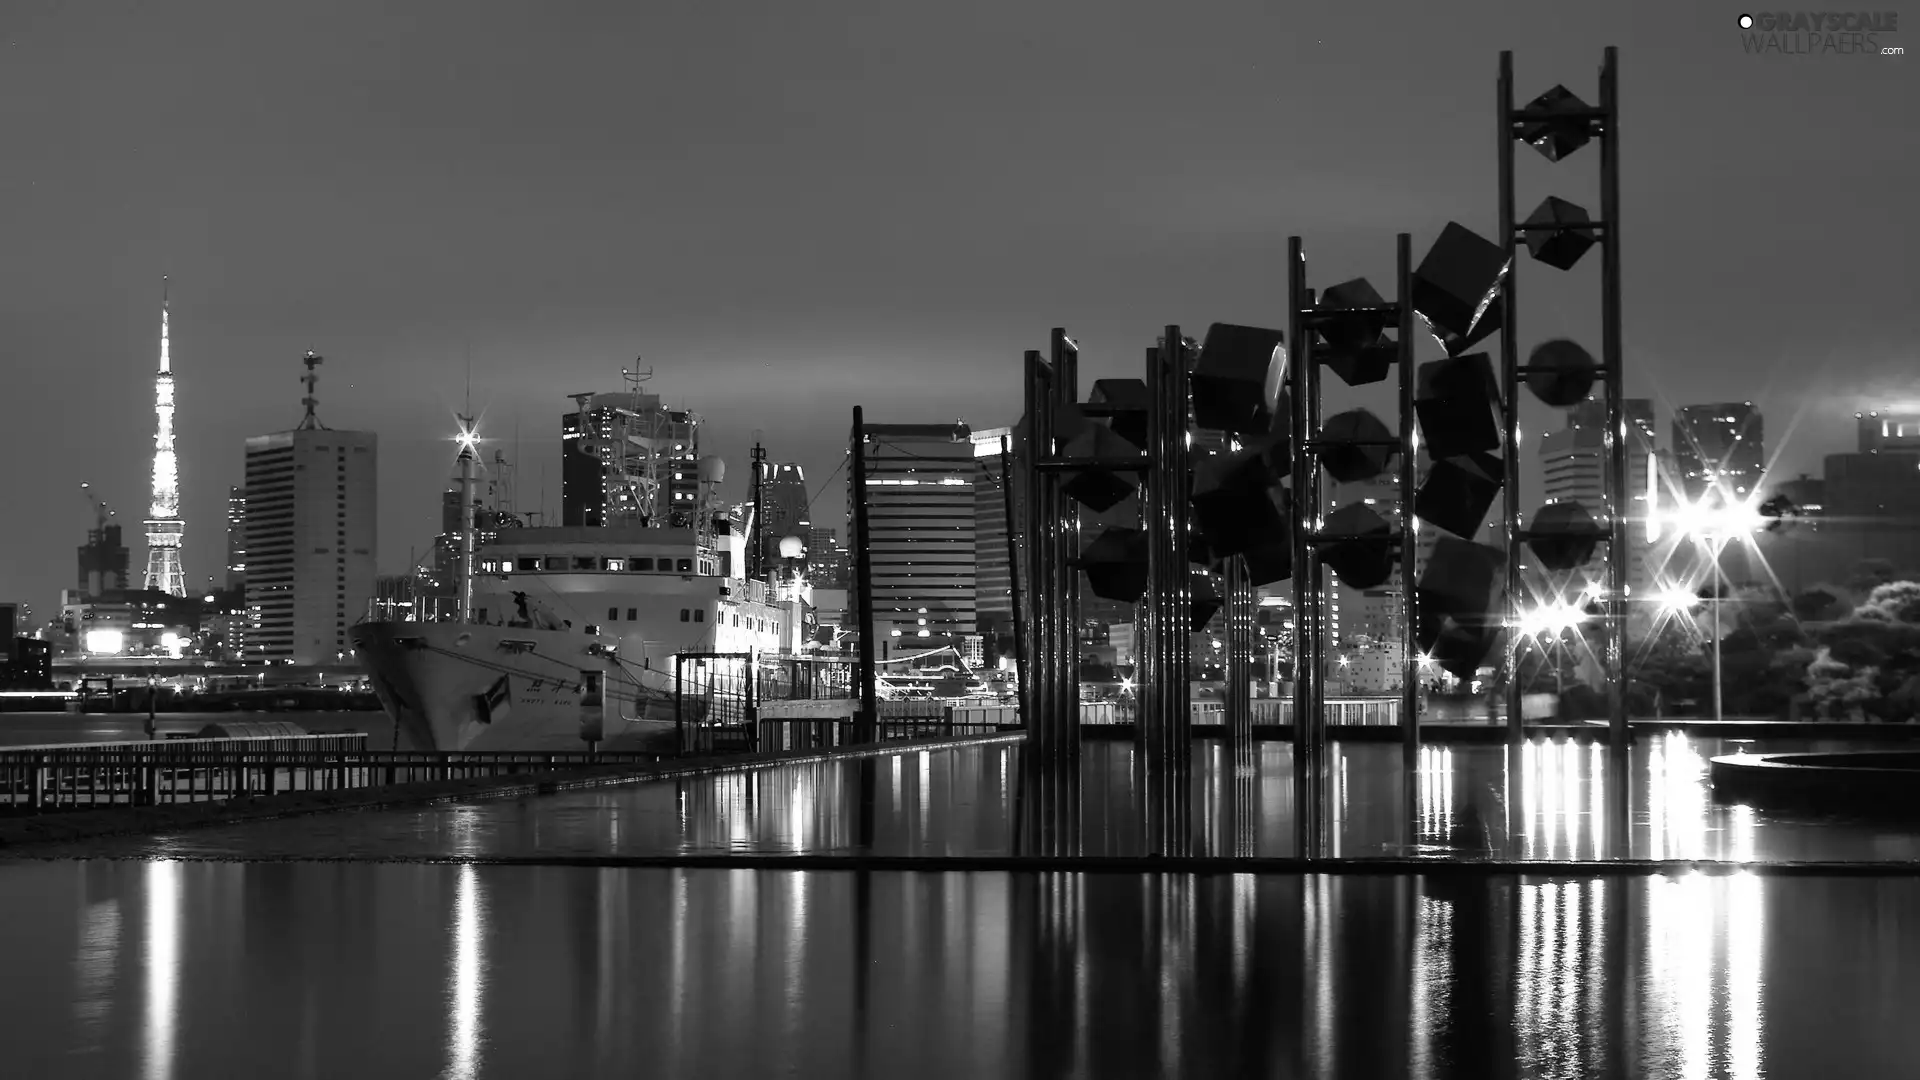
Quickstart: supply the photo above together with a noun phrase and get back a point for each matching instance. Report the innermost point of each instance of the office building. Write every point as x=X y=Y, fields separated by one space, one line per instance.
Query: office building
x=103 y=561
x=626 y=458
x=236 y=538
x=1718 y=445
x=783 y=502
x=1573 y=464
x=996 y=484
x=310 y=537
x=920 y=512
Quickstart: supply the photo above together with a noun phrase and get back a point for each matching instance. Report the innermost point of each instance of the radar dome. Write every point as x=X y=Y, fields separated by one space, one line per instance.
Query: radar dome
x=712 y=470
x=792 y=547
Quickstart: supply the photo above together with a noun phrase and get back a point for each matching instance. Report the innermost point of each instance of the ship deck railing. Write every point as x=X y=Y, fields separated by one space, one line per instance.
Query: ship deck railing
x=100 y=775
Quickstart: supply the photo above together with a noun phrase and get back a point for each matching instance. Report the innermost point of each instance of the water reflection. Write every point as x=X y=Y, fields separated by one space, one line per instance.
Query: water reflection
x=732 y=973
x=465 y=977
x=1540 y=800
x=162 y=963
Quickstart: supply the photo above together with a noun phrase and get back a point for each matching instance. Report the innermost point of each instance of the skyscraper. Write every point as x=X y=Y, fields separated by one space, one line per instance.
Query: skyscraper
x=920 y=510
x=1574 y=470
x=1718 y=445
x=993 y=572
x=310 y=536
x=783 y=499
x=627 y=458
x=164 y=527
x=236 y=538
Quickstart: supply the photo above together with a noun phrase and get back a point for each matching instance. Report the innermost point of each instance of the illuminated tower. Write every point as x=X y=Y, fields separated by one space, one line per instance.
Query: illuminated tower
x=164 y=527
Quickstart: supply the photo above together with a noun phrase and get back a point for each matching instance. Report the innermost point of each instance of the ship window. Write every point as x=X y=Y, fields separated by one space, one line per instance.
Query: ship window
x=585 y=562
x=686 y=566
x=554 y=562
x=616 y=564
x=700 y=616
x=685 y=615
x=483 y=614
x=630 y=614
x=613 y=614
x=529 y=562
x=736 y=620
x=640 y=564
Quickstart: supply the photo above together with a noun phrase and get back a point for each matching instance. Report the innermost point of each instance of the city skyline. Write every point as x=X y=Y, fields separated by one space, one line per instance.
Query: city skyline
x=803 y=246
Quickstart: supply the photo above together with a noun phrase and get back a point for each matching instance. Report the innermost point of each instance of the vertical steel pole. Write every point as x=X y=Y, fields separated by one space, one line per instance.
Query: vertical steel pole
x=1305 y=517
x=866 y=725
x=1510 y=406
x=1150 y=725
x=1014 y=565
x=1409 y=542
x=1619 y=735
x=1179 y=522
x=1039 y=448
x=1239 y=699
x=1066 y=548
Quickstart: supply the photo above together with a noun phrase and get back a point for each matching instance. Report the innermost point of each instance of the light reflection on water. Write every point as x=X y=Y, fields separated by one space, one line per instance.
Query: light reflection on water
x=464 y=971
x=1541 y=800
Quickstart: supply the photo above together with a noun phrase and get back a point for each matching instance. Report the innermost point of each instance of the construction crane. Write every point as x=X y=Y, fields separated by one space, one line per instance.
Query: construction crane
x=100 y=511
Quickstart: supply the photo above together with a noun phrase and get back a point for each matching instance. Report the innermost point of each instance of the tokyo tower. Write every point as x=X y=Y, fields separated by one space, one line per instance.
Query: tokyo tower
x=164 y=527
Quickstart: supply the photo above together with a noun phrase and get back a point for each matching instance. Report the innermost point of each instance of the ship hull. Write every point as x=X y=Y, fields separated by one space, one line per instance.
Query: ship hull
x=452 y=686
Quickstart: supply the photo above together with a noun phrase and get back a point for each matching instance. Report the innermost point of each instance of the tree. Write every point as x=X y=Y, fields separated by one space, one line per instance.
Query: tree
x=1821 y=603
x=1893 y=602
x=1869 y=662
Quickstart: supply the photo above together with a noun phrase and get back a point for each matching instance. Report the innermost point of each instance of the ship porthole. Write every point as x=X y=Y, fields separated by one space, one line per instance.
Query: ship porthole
x=463 y=639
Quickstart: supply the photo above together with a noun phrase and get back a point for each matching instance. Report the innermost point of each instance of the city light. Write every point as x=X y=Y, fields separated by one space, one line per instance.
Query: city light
x=1673 y=600
x=106 y=642
x=1551 y=619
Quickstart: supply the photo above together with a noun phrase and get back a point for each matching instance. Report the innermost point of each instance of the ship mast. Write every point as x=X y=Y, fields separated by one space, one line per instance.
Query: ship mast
x=468 y=442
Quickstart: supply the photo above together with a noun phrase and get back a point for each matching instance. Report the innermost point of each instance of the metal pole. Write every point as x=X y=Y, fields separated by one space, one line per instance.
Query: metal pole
x=1151 y=722
x=1717 y=700
x=1065 y=544
x=1179 y=476
x=1014 y=563
x=1239 y=699
x=1510 y=404
x=1409 y=543
x=757 y=536
x=1305 y=518
x=863 y=584
x=1616 y=606
x=1035 y=661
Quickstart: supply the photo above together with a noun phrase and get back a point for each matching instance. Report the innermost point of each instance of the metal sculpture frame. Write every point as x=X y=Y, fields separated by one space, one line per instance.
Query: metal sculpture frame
x=1606 y=119
x=1308 y=510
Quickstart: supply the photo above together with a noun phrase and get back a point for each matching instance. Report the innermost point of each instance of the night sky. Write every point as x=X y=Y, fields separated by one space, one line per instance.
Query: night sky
x=789 y=209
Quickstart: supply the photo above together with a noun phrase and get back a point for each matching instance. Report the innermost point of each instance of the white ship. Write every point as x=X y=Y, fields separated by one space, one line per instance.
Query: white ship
x=564 y=635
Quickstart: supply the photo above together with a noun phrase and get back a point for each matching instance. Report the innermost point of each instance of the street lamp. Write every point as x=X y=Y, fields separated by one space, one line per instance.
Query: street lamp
x=1712 y=523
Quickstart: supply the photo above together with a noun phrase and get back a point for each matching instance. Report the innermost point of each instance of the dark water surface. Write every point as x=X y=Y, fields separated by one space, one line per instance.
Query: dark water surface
x=177 y=970
x=1544 y=800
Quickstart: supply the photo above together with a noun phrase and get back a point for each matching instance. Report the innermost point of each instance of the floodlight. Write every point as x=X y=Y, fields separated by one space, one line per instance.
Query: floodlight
x=1233 y=502
x=1563 y=536
x=1098 y=488
x=1360 y=548
x=1560 y=373
x=1115 y=563
x=1458 y=491
x=1350 y=318
x=1356 y=445
x=1559 y=232
x=1556 y=136
x=1458 y=406
x=1129 y=397
x=1456 y=289
x=1232 y=381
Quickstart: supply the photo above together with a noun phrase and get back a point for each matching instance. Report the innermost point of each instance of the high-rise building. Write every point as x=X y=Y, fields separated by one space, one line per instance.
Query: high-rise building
x=920 y=511
x=1574 y=470
x=783 y=502
x=993 y=582
x=1718 y=445
x=627 y=458
x=310 y=537
x=103 y=561
x=236 y=538
x=165 y=573
x=1897 y=431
